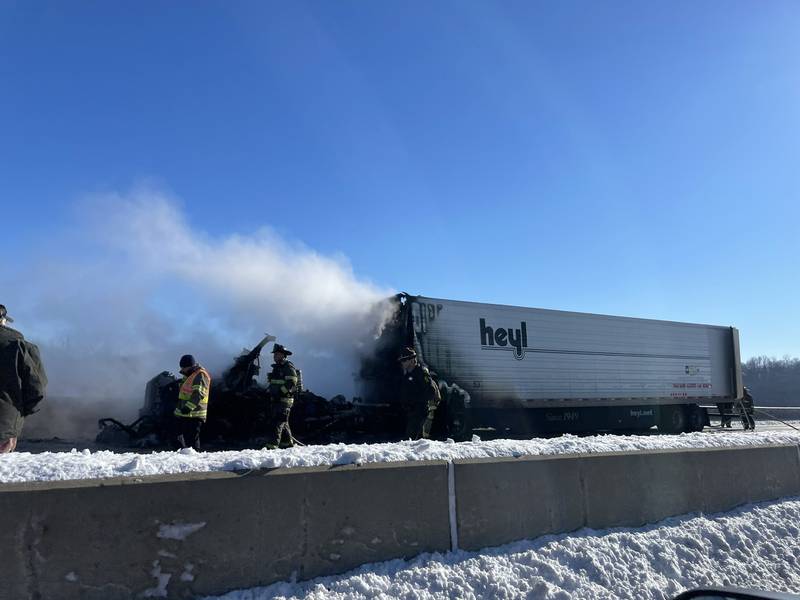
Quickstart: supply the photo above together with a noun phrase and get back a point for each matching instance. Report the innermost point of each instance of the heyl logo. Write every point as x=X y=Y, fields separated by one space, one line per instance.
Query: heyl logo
x=515 y=340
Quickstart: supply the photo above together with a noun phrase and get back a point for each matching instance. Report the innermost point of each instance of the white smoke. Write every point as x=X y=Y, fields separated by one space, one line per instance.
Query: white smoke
x=136 y=284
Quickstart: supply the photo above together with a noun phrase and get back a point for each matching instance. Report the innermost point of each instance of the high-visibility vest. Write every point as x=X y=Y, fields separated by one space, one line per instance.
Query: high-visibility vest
x=193 y=386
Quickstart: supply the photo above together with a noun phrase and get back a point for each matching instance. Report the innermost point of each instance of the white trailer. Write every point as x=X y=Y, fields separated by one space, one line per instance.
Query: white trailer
x=533 y=370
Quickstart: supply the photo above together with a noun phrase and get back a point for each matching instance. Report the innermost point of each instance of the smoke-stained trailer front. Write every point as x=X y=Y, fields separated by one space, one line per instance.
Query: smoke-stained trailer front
x=534 y=370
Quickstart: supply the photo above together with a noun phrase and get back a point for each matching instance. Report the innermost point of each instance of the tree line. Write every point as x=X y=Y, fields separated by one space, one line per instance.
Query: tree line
x=773 y=381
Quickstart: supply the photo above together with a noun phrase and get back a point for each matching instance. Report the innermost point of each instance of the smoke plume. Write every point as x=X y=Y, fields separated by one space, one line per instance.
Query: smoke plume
x=135 y=284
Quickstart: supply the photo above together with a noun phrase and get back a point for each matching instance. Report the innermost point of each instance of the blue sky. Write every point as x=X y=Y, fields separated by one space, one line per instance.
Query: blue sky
x=626 y=158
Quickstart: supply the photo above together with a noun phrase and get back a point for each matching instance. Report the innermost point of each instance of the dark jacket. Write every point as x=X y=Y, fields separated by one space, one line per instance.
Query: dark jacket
x=418 y=389
x=22 y=381
x=282 y=382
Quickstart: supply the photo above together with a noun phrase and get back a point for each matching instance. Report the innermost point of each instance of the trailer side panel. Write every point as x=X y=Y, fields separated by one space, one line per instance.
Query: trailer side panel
x=513 y=357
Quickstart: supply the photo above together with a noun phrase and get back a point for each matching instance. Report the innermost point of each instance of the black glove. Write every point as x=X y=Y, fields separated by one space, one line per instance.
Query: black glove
x=185 y=410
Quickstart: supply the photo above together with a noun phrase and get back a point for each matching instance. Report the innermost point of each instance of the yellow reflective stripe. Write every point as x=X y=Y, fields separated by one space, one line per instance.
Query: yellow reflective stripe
x=291 y=377
x=277 y=381
x=188 y=398
x=191 y=404
x=194 y=413
x=284 y=390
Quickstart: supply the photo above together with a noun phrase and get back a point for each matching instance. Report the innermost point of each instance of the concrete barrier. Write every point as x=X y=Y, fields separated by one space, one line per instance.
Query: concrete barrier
x=208 y=533
x=183 y=536
x=502 y=500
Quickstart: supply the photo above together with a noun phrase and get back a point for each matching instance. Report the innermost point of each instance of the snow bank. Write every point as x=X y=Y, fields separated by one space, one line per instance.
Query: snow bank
x=51 y=466
x=755 y=546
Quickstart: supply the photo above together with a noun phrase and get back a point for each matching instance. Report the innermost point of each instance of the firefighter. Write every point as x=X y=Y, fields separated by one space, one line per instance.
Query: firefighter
x=419 y=395
x=747 y=409
x=192 y=408
x=22 y=382
x=282 y=382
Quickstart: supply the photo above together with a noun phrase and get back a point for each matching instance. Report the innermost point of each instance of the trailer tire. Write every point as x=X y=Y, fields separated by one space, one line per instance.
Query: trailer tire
x=673 y=419
x=698 y=418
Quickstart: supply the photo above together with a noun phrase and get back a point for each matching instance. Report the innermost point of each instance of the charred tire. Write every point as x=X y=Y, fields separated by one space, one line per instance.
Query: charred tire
x=673 y=419
x=698 y=418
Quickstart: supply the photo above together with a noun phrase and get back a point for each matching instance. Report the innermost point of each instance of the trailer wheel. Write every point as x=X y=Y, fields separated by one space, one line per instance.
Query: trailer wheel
x=673 y=419
x=698 y=418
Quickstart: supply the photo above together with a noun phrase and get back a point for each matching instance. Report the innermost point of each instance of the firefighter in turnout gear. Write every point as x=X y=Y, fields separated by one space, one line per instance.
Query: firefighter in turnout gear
x=746 y=409
x=22 y=382
x=419 y=395
x=192 y=408
x=282 y=382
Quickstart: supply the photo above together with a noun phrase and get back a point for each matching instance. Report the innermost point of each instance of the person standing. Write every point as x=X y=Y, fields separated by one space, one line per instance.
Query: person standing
x=22 y=382
x=747 y=409
x=419 y=395
x=192 y=408
x=282 y=382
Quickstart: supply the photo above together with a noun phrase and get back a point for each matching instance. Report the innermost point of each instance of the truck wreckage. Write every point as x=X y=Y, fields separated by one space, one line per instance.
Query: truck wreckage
x=516 y=371
x=239 y=403
x=239 y=416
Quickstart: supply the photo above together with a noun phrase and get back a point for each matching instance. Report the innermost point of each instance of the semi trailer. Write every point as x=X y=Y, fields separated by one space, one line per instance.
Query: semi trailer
x=529 y=370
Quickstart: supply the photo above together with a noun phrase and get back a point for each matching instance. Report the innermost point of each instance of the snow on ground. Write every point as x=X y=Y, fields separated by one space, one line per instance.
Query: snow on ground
x=85 y=464
x=756 y=546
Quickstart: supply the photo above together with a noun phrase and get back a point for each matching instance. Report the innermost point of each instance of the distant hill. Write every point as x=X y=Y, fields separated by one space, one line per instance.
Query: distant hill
x=773 y=381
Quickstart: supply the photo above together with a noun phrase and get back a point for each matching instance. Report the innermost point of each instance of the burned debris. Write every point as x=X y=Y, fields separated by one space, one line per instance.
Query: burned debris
x=238 y=414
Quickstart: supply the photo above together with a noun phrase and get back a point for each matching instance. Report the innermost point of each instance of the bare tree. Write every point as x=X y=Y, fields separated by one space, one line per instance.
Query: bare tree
x=773 y=381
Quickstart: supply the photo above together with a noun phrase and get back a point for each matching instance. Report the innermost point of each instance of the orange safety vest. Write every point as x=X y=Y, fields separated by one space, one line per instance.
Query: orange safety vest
x=187 y=390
